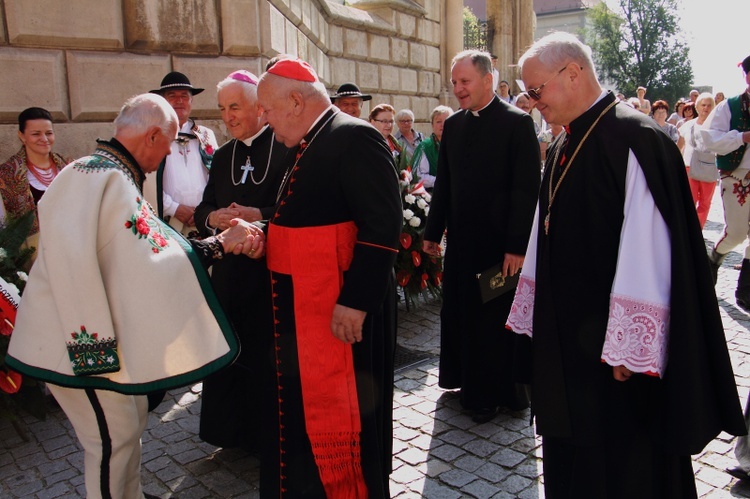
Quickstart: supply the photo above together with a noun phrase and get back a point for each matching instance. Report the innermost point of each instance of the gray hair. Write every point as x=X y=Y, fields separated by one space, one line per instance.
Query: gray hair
x=141 y=112
x=440 y=110
x=405 y=113
x=558 y=49
x=481 y=60
x=250 y=90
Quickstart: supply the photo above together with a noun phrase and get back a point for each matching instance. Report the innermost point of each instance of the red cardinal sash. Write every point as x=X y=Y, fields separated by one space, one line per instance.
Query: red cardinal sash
x=316 y=258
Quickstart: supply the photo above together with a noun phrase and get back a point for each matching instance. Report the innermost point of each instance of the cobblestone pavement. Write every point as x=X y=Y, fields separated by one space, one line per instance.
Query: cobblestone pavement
x=438 y=451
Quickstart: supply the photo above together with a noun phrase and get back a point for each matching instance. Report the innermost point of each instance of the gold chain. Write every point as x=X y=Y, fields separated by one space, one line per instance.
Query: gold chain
x=553 y=193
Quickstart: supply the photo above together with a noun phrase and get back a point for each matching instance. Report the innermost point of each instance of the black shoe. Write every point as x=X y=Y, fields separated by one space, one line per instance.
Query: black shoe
x=742 y=294
x=715 y=260
x=738 y=472
x=485 y=414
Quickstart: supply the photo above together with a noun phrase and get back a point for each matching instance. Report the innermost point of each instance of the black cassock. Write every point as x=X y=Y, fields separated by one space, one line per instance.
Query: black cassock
x=622 y=439
x=345 y=176
x=485 y=192
x=231 y=399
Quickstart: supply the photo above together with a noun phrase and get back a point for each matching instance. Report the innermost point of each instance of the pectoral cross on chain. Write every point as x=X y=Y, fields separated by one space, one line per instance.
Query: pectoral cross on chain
x=247 y=167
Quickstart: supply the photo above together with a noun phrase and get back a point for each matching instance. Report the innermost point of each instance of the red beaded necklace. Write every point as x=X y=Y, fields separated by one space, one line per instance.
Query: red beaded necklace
x=44 y=176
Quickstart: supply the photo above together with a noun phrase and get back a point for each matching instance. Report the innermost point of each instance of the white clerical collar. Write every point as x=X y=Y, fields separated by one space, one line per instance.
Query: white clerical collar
x=476 y=113
x=320 y=117
x=250 y=140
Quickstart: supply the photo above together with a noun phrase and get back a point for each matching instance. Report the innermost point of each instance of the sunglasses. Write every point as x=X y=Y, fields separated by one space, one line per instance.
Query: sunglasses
x=536 y=93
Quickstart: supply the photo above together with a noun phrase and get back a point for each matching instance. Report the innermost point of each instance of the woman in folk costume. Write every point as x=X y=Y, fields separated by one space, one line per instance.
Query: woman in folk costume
x=26 y=175
x=119 y=305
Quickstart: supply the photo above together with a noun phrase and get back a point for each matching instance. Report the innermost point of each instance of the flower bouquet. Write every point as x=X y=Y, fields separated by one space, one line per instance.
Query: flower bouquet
x=17 y=394
x=418 y=273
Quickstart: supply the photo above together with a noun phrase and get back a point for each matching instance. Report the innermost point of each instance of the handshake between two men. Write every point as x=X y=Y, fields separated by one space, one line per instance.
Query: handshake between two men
x=243 y=238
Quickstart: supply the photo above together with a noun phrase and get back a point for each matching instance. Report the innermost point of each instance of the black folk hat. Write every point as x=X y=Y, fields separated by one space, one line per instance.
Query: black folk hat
x=176 y=80
x=349 y=90
x=745 y=64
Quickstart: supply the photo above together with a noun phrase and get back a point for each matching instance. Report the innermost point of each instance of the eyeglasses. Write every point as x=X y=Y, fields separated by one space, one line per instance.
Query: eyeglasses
x=385 y=122
x=536 y=93
x=406 y=121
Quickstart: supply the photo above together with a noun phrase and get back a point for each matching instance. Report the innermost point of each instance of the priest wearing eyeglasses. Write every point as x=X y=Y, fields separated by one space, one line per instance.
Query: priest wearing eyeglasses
x=630 y=373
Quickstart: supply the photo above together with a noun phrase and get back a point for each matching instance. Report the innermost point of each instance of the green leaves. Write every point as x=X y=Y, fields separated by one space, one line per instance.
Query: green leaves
x=641 y=44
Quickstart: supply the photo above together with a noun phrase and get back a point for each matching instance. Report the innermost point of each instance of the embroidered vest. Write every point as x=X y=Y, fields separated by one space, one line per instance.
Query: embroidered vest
x=738 y=121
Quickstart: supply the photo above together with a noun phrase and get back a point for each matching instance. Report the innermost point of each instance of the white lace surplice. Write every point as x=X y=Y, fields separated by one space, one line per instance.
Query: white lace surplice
x=638 y=325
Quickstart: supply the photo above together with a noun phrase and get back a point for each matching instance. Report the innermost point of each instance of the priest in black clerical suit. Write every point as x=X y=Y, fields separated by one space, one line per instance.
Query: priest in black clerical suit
x=485 y=191
x=244 y=181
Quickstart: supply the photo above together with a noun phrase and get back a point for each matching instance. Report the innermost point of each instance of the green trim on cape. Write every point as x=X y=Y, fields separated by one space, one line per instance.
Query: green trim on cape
x=103 y=383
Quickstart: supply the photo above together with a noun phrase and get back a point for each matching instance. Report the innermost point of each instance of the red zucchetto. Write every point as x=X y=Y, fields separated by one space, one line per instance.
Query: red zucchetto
x=295 y=69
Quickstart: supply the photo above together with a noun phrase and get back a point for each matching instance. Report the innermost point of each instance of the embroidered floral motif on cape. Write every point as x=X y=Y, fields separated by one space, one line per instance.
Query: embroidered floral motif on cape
x=144 y=225
x=91 y=355
x=206 y=149
x=636 y=335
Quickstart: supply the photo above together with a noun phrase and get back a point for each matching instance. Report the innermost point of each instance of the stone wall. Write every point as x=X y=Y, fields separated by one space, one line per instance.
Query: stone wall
x=80 y=59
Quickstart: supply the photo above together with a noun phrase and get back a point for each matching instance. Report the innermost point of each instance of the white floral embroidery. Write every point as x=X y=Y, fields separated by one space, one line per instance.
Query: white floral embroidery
x=408 y=214
x=636 y=335
x=415 y=221
x=409 y=199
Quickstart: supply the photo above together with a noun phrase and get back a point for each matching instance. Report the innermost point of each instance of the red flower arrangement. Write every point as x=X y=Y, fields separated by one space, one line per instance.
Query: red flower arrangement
x=17 y=394
x=418 y=273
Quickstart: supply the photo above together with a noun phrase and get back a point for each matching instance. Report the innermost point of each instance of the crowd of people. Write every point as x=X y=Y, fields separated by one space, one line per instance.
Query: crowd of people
x=299 y=218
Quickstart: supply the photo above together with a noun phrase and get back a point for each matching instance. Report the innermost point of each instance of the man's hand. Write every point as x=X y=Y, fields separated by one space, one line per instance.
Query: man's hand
x=243 y=238
x=512 y=264
x=431 y=247
x=346 y=324
x=185 y=214
x=219 y=219
x=621 y=373
x=247 y=213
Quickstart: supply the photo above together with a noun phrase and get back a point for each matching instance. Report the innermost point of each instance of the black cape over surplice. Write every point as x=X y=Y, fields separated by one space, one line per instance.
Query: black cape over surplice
x=231 y=399
x=485 y=193
x=574 y=396
x=346 y=174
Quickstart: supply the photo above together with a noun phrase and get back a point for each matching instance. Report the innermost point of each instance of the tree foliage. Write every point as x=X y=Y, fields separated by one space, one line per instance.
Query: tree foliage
x=472 y=30
x=641 y=45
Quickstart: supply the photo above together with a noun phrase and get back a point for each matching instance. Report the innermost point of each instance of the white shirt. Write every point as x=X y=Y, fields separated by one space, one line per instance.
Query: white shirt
x=718 y=138
x=185 y=175
x=423 y=168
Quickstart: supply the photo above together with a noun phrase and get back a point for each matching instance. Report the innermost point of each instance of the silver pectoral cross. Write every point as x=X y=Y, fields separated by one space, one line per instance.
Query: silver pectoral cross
x=247 y=167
